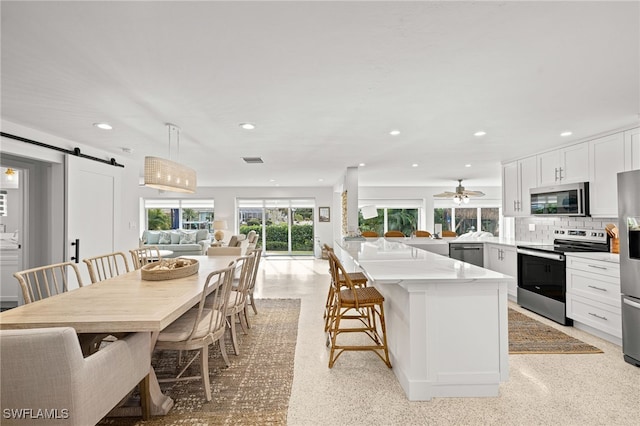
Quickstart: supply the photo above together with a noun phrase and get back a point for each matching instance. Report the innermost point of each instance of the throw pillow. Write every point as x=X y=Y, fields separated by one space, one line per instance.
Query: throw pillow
x=187 y=237
x=175 y=237
x=165 y=237
x=153 y=237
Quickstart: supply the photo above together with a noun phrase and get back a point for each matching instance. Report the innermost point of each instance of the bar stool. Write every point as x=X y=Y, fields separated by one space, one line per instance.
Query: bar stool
x=364 y=304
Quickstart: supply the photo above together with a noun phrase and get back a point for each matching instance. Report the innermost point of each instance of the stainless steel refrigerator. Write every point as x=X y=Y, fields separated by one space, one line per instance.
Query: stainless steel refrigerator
x=629 y=225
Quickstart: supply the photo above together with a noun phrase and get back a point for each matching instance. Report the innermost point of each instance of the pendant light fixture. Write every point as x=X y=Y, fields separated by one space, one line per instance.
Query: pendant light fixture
x=167 y=175
x=9 y=172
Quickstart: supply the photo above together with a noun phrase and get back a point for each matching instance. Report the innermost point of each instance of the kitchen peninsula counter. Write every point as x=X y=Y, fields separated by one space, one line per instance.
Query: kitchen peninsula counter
x=446 y=320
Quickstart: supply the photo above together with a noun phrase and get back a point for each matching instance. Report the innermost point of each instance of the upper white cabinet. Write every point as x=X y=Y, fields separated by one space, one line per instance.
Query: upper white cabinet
x=564 y=165
x=607 y=157
x=517 y=178
x=632 y=145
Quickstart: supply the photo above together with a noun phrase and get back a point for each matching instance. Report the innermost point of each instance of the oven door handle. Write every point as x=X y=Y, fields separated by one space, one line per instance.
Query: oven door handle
x=535 y=253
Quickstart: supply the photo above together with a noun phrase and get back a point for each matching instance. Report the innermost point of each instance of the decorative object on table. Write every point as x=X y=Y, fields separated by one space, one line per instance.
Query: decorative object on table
x=461 y=195
x=324 y=214
x=530 y=336
x=219 y=226
x=168 y=269
x=614 y=233
x=167 y=175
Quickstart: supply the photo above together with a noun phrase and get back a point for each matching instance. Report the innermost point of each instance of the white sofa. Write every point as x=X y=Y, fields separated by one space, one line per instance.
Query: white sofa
x=180 y=241
x=45 y=374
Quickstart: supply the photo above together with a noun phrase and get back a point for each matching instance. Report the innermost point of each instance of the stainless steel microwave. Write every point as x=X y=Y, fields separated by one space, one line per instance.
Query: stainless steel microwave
x=561 y=200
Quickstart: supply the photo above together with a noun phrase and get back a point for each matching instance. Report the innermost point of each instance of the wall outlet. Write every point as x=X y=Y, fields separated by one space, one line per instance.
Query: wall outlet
x=532 y=227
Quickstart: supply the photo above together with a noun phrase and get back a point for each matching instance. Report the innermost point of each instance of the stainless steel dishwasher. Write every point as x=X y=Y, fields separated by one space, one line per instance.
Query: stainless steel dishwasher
x=467 y=252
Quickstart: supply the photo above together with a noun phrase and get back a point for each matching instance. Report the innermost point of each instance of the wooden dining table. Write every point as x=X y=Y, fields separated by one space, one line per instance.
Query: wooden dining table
x=122 y=304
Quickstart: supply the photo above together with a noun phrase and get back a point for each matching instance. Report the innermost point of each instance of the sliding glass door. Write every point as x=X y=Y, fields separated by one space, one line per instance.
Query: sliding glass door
x=285 y=226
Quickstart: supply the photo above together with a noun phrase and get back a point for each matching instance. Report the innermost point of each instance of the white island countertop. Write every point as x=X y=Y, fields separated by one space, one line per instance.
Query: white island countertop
x=392 y=261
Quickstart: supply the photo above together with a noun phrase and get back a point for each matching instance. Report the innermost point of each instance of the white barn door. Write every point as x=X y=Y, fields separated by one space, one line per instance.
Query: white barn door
x=91 y=209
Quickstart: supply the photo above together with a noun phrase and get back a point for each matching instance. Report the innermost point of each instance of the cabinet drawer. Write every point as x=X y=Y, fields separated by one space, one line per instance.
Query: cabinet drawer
x=598 y=287
x=597 y=315
x=596 y=266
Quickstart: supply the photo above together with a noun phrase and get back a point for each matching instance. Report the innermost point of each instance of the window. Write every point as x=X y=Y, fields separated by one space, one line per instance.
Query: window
x=393 y=215
x=285 y=225
x=179 y=214
x=468 y=219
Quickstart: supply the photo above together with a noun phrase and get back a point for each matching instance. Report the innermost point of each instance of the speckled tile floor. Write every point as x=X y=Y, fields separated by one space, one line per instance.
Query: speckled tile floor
x=593 y=389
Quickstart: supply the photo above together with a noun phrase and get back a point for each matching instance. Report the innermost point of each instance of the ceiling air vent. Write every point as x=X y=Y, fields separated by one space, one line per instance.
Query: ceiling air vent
x=252 y=160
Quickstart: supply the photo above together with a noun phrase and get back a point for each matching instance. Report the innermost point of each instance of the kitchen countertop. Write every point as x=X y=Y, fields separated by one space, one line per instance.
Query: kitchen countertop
x=393 y=261
x=602 y=256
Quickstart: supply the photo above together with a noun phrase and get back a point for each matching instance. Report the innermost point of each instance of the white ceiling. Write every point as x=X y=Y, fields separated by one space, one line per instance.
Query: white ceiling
x=324 y=82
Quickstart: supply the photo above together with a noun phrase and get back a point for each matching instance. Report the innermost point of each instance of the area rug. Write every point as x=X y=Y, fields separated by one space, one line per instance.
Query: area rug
x=254 y=390
x=529 y=336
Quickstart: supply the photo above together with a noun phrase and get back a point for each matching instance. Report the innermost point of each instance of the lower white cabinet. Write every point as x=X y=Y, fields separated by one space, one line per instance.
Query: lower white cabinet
x=503 y=259
x=593 y=295
x=10 y=293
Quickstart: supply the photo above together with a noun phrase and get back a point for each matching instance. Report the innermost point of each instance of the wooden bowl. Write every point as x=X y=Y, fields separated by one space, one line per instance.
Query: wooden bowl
x=169 y=269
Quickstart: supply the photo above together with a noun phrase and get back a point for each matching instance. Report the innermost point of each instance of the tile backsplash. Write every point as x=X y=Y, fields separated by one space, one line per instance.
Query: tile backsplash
x=544 y=226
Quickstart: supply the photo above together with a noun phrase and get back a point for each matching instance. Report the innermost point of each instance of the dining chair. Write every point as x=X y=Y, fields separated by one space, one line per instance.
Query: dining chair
x=200 y=327
x=394 y=234
x=45 y=281
x=143 y=255
x=357 y=278
x=363 y=304
x=423 y=234
x=252 y=285
x=106 y=266
x=369 y=234
x=238 y=299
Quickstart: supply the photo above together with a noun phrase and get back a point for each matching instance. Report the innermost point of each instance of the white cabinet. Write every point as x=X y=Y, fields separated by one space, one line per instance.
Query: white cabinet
x=607 y=157
x=517 y=178
x=503 y=259
x=564 y=165
x=593 y=295
x=632 y=146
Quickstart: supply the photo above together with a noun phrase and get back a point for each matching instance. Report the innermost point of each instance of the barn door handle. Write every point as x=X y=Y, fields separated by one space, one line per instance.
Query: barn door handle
x=77 y=256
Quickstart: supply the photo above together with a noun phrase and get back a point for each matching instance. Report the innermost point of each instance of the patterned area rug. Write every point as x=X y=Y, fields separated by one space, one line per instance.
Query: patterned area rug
x=529 y=336
x=254 y=390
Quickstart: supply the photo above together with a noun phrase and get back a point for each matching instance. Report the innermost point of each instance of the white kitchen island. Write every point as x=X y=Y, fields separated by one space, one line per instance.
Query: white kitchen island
x=446 y=320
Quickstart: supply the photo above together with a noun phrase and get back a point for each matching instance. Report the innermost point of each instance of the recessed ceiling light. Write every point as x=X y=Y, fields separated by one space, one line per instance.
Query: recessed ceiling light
x=394 y=132
x=103 y=126
x=414 y=165
x=272 y=180
x=480 y=133
x=248 y=126
x=467 y=165
x=320 y=180
x=362 y=164
x=566 y=134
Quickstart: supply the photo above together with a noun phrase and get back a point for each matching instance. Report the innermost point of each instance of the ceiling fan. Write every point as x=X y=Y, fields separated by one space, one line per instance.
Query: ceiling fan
x=461 y=195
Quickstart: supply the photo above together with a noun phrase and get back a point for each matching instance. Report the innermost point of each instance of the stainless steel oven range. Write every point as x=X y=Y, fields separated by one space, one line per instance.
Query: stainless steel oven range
x=542 y=274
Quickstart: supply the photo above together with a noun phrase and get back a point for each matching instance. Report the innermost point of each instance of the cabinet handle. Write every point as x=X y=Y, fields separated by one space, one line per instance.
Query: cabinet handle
x=561 y=173
x=597 y=267
x=598 y=316
x=519 y=207
x=597 y=288
x=515 y=208
x=556 y=175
